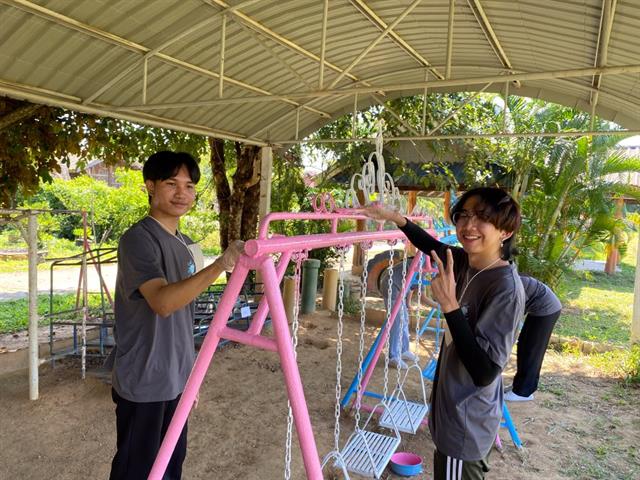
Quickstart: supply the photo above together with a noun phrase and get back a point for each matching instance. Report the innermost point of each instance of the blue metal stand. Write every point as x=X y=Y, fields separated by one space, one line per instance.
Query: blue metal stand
x=507 y=422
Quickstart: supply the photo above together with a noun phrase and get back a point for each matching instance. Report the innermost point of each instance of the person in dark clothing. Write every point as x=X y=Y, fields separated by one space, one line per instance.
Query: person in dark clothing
x=542 y=310
x=482 y=298
x=156 y=286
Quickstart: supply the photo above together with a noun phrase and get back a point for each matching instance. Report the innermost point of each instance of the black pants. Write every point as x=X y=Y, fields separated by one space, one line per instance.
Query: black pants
x=532 y=345
x=141 y=428
x=449 y=468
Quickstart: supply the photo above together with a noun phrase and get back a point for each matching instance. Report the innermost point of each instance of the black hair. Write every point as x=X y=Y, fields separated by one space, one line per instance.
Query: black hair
x=165 y=164
x=501 y=210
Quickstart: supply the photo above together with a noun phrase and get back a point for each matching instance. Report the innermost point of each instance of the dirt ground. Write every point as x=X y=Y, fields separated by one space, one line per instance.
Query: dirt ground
x=581 y=425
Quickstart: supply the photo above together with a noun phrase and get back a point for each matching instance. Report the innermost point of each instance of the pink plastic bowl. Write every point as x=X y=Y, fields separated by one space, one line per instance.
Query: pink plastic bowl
x=406 y=464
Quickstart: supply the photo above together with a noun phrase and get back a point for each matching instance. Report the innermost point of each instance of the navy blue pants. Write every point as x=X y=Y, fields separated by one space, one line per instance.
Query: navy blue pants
x=141 y=428
x=532 y=345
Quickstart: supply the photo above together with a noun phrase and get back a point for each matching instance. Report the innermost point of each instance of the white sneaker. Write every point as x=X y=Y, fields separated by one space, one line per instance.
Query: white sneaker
x=398 y=363
x=409 y=356
x=514 y=397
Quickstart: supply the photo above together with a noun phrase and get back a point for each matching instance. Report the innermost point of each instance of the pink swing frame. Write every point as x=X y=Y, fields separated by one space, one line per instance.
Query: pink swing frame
x=258 y=257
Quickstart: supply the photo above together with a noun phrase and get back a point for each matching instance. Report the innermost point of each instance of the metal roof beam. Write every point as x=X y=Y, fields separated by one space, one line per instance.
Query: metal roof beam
x=452 y=10
x=569 y=134
x=270 y=51
x=431 y=84
x=257 y=26
x=602 y=49
x=146 y=52
x=457 y=110
x=45 y=97
x=375 y=42
x=371 y=15
x=489 y=33
x=323 y=43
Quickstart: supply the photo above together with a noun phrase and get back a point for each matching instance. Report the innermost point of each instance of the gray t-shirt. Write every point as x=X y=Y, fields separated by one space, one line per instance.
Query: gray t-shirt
x=541 y=300
x=465 y=418
x=154 y=355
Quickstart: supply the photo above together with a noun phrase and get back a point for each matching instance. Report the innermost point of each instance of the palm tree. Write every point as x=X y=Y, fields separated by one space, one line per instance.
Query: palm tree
x=568 y=197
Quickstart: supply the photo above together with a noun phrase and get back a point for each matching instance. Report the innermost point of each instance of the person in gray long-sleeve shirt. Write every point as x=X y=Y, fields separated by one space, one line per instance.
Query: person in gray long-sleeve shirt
x=482 y=298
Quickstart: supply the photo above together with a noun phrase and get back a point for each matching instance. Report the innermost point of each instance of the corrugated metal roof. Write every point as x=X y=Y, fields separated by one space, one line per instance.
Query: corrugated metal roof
x=90 y=55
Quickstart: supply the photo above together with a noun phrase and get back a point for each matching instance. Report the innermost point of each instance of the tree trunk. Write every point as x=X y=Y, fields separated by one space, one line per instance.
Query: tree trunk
x=223 y=190
x=249 y=223
x=238 y=203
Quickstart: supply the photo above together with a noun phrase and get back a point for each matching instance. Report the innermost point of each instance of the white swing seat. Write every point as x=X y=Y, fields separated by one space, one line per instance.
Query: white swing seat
x=362 y=443
x=405 y=416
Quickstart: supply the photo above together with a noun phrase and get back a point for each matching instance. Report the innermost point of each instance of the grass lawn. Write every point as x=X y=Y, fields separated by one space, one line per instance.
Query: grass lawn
x=597 y=306
x=14 y=314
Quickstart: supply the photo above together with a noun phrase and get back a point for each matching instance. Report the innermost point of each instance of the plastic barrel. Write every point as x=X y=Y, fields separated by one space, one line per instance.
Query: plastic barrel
x=310 y=269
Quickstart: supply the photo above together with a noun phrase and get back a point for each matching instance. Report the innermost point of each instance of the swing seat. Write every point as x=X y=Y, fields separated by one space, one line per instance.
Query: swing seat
x=368 y=453
x=405 y=416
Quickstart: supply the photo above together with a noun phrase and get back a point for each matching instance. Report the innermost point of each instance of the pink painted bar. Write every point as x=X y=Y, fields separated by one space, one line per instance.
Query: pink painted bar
x=385 y=333
x=263 y=309
x=339 y=214
x=257 y=248
x=248 y=339
x=257 y=257
x=289 y=364
x=198 y=372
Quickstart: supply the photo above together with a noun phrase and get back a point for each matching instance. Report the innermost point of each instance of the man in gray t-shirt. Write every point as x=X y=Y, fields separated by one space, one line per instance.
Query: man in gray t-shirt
x=155 y=289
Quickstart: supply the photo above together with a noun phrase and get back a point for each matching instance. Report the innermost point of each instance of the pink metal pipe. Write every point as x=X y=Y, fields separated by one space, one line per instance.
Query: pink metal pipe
x=385 y=333
x=248 y=339
x=256 y=248
x=263 y=308
x=199 y=370
x=291 y=373
x=339 y=214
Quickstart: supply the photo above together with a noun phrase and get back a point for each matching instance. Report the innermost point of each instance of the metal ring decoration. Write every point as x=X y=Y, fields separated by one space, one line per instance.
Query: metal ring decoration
x=323 y=203
x=366 y=245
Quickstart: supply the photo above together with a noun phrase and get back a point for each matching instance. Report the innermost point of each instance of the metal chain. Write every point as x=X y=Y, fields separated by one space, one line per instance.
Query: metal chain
x=294 y=340
x=403 y=308
x=385 y=389
x=420 y=291
x=336 y=428
x=363 y=314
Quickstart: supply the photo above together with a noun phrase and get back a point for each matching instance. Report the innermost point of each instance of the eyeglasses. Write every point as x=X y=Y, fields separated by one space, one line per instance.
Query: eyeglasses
x=465 y=216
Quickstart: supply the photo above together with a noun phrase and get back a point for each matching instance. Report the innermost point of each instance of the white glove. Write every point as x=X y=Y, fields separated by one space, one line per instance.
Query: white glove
x=231 y=254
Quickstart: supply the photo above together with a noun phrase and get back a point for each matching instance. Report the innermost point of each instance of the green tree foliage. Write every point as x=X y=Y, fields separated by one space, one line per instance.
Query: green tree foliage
x=563 y=184
x=35 y=139
x=567 y=191
x=404 y=117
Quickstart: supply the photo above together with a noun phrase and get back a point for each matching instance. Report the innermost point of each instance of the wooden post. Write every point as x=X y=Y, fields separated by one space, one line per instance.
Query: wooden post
x=266 y=171
x=447 y=206
x=412 y=199
x=330 y=289
x=33 y=305
x=361 y=226
x=289 y=297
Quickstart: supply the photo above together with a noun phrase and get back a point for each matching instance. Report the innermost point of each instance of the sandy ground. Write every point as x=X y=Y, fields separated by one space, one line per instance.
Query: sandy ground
x=581 y=425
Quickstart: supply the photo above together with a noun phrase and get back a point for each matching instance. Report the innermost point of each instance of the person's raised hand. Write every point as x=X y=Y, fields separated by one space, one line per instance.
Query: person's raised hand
x=443 y=286
x=230 y=255
x=380 y=213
